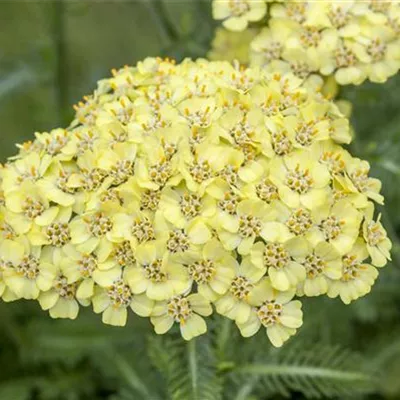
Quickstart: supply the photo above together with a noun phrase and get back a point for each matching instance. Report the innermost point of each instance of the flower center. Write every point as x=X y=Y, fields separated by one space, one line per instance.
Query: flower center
x=239 y=7
x=87 y=265
x=334 y=162
x=281 y=143
x=272 y=51
x=29 y=267
x=92 y=180
x=375 y=234
x=229 y=202
x=143 y=230
x=299 y=181
x=86 y=141
x=124 y=254
x=190 y=205
x=249 y=226
x=351 y=268
x=300 y=69
x=200 y=119
x=150 y=200
x=179 y=309
x=230 y=175
x=240 y=287
x=360 y=179
x=120 y=294
x=376 y=49
x=269 y=313
x=153 y=271
x=314 y=266
x=338 y=16
x=242 y=133
x=110 y=195
x=65 y=290
x=161 y=172
x=202 y=271
x=121 y=171
x=99 y=224
x=32 y=208
x=62 y=182
x=200 y=171
x=331 y=227
x=305 y=133
x=269 y=106
x=275 y=255
x=267 y=191
x=58 y=234
x=299 y=222
x=178 y=242
x=310 y=37
x=56 y=143
x=249 y=152
x=296 y=11
x=344 y=57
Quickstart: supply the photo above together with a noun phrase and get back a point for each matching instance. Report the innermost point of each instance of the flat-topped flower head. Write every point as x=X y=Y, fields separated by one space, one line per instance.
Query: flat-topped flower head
x=182 y=187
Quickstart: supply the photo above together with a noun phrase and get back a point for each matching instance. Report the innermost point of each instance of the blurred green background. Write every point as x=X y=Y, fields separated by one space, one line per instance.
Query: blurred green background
x=51 y=54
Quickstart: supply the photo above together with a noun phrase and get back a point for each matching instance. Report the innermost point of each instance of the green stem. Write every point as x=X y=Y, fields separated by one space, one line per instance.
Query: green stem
x=192 y=358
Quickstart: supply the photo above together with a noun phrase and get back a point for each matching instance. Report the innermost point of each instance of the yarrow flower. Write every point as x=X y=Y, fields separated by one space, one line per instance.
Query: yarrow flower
x=183 y=189
x=351 y=40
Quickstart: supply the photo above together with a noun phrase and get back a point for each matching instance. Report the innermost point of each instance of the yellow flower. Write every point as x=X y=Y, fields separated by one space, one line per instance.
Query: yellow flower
x=187 y=311
x=155 y=274
x=234 y=304
x=278 y=259
x=29 y=207
x=276 y=311
x=55 y=231
x=86 y=269
x=358 y=181
x=239 y=231
x=378 y=52
x=212 y=270
x=338 y=224
x=32 y=273
x=54 y=185
x=236 y=14
x=322 y=264
x=357 y=276
x=30 y=168
x=60 y=298
x=378 y=244
x=188 y=210
x=301 y=180
x=268 y=44
x=113 y=302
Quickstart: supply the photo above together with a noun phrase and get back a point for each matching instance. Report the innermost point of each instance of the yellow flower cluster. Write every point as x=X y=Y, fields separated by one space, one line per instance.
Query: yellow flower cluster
x=179 y=188
x=351 y=40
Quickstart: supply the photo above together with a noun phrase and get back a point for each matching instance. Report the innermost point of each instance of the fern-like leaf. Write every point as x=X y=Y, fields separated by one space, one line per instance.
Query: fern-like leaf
x=189 y=369
x=316 y=372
